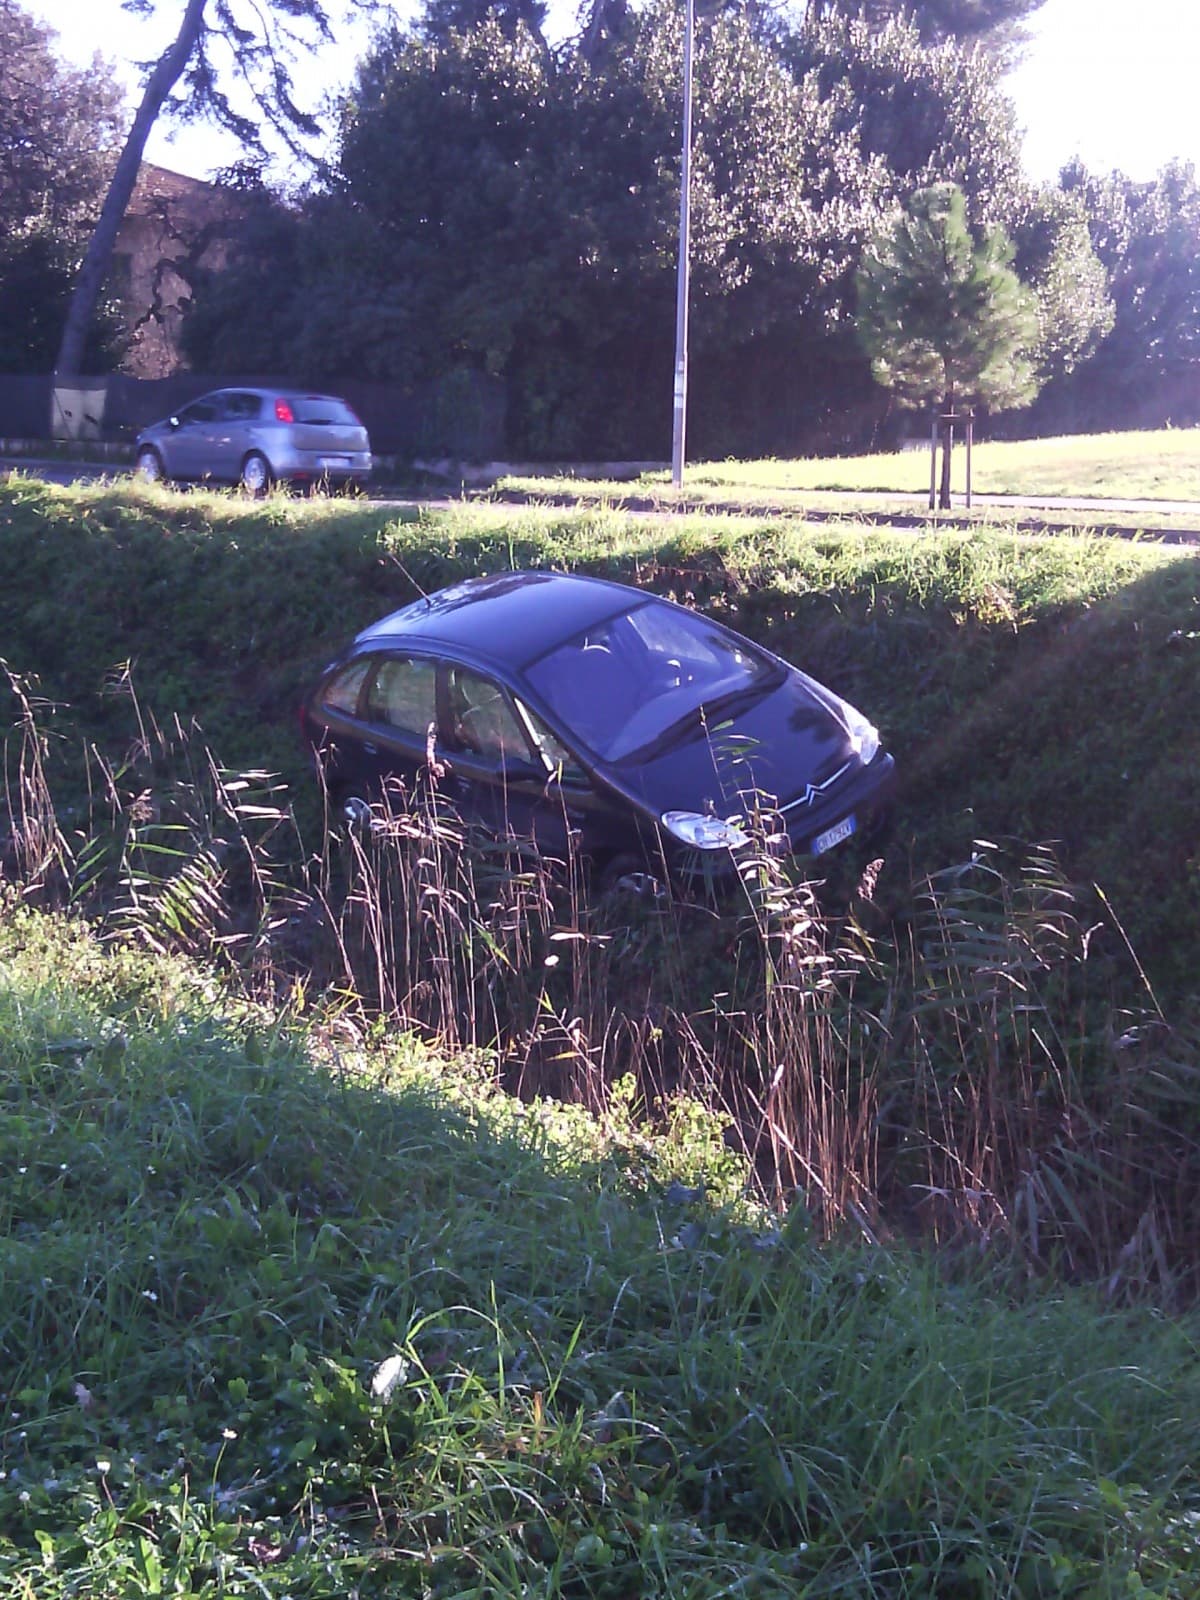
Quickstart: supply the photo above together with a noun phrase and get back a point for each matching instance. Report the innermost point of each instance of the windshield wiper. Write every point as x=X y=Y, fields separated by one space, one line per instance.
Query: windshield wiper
x=699 y=720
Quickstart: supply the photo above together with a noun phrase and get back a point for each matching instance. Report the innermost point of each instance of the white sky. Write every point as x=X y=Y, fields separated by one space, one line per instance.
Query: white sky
x=1113 y=82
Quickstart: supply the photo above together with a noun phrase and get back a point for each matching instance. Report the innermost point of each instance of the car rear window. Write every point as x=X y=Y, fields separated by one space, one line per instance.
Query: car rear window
x=319 y=410
x=241 y=407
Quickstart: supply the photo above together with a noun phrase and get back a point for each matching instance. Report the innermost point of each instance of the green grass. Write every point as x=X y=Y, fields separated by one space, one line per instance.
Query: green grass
x=287 y=1312
x=832 y=508
x=1162 y=465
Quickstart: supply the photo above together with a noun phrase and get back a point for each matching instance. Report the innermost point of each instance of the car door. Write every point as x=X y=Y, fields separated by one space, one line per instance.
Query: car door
x=232 y=433
x=497 y=773
x=601 y=823
x=375 y=713
x=398 y=709
x=190 y=445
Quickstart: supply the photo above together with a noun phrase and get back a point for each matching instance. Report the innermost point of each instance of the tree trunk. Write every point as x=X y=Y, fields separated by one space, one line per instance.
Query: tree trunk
x=100 y=247
x=947 y=445
x=606 y=22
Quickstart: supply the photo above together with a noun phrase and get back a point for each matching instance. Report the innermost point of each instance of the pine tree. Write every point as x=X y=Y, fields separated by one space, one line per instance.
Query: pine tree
x=943 y=316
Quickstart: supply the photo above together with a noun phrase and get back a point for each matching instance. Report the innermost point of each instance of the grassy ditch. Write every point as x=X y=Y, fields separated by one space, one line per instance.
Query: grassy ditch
x=975 y=1043
x=289 y=1311
x=297 y=1305
x=1041 y=689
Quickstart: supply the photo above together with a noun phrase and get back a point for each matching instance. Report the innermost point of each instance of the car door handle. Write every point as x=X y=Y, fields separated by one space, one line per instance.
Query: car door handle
x=371 y=749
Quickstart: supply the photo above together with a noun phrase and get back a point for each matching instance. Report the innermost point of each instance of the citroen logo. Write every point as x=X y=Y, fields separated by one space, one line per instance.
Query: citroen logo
x=812 y=790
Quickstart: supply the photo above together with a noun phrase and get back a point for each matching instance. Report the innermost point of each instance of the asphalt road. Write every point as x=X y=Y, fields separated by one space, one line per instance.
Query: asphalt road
x=59 y=471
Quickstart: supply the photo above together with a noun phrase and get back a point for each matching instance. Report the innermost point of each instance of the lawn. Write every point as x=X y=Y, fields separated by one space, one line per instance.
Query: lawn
x=1161 y=465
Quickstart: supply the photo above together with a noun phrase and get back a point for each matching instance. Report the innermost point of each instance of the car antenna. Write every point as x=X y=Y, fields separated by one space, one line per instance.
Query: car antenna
x=411 y=579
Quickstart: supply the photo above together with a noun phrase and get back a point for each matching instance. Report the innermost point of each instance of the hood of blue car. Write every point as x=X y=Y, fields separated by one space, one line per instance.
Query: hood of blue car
x=783 y=747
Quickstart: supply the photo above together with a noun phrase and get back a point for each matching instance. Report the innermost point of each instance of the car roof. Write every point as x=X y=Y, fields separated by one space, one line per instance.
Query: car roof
x=509 y=618
x=267 y=394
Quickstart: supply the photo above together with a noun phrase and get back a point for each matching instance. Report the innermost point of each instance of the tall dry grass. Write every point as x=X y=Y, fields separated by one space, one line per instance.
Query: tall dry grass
x=965 y=1077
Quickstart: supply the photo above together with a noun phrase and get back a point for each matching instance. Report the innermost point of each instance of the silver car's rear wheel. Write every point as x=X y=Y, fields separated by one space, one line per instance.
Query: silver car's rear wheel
x=256 y=474
x=149 y=465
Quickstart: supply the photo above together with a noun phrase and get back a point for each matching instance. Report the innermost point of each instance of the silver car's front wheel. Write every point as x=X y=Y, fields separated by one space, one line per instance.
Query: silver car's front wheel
x=149 y=465
x=256 y=474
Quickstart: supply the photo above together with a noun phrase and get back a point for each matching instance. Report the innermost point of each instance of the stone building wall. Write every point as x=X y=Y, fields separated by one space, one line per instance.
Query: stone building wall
x=173 y=225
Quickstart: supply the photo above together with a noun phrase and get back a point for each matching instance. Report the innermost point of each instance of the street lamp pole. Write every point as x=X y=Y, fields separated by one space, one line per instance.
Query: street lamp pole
x=679 y=429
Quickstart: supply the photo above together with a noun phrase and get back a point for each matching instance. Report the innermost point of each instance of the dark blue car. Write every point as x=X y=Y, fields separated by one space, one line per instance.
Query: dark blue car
x=558 y=704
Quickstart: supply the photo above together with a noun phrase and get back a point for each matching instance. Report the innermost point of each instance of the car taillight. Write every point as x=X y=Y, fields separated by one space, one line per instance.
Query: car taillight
x=283 y=412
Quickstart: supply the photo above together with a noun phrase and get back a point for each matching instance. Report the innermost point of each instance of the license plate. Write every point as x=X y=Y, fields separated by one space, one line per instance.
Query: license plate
x=831 y=836
x=332 y=463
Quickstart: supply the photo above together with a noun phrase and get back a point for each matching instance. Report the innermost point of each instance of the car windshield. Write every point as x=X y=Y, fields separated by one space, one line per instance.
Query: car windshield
x=647 y=677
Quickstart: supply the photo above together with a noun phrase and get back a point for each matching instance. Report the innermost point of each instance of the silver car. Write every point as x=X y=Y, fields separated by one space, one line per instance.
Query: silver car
x=257 y=437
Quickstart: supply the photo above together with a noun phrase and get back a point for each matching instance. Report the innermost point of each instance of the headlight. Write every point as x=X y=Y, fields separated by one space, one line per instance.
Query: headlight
x=864 y=735
x=704 y=833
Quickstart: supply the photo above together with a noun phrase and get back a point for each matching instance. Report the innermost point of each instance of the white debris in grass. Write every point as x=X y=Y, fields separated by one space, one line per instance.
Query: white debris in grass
x=388 y=1375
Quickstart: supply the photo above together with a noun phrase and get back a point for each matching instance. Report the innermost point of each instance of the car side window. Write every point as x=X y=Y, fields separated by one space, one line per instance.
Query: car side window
x=198 y=411
x=241 y=407
x=403 y=694
x=482 y=720
x=341 y=692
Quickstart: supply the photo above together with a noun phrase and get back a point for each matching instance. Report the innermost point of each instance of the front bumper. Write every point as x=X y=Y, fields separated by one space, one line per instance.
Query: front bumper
x=866 y=796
